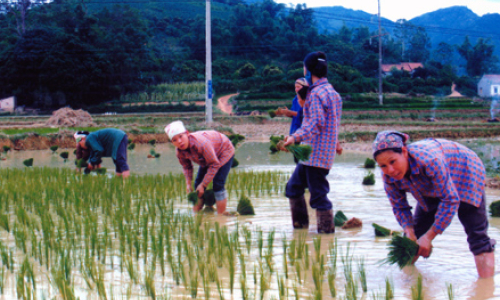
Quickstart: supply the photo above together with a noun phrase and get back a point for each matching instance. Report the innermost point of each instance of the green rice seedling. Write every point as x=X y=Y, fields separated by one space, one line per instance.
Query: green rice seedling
x=264 y=283
x=351 y=288
x=6 y=148
x=449 y=289
x=272 y=113
x=317 y=275
x=28 y=162
x=131 y=146
x=317 y=246
x=369 y=179
x=282 y=289
x=381 y=231
x=402 y=250
x=369 y=163
x=193 y=284
x=333 y=249
x=298 y=271
x=4 y=222
x=149 y=282
x=270 y=241
x=235 y=163
x=389 y=289
x=245 y=295
x=331 y=282
x=153 y=154
x=306 y=257
x=193 y=197
x=260 y=241
x=152 y=142
x=247 y=234
x=416 y=290
x=340 y=218
x=495 y=208
x=219 y=289
x=362 y=274
x=245 y=206
x=54 y=148
x=64 y=155
x=2 y=280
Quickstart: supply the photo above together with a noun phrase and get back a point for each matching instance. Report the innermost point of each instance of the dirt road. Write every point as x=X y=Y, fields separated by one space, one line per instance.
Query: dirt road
x=223 y=104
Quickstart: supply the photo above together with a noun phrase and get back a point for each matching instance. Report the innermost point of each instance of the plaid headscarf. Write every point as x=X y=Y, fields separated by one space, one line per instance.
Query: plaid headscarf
x=389 y=139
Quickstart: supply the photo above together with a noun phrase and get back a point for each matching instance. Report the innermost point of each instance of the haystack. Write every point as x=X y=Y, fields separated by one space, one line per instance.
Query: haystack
x=70 y=118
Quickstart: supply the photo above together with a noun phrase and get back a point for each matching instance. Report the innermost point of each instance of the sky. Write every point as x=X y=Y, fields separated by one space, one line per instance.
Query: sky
x=403 y=9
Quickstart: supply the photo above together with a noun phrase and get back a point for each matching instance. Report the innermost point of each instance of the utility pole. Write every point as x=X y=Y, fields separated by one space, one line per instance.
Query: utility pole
x=208 y=65
x=380 y=96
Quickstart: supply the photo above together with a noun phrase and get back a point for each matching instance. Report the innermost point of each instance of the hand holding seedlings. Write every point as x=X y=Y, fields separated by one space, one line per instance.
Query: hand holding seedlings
x=200 y=190
x=289 y=140
x=425 y=244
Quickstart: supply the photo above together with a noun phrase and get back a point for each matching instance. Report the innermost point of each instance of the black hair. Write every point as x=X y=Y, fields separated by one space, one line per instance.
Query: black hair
x=303 y=92
x=83 y=132
x=397 y=150
x=316 y=63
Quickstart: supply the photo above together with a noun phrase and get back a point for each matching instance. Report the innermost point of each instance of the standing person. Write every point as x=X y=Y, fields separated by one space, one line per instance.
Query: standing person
x=212 y=151
x=296 y=112
x=445 y=178
x=107 y=142
x=322 y=112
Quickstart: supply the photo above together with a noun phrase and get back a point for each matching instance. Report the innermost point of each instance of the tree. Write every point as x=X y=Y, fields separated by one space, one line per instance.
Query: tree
x=479 y=58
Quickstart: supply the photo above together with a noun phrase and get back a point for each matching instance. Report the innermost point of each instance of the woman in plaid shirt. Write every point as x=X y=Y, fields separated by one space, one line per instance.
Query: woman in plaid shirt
x=212 y=151
x=445 y=178
x=319 y=129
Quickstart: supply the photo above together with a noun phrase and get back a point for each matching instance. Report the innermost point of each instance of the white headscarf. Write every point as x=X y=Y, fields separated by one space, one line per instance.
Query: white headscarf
x=174 y=129
x=79 y=136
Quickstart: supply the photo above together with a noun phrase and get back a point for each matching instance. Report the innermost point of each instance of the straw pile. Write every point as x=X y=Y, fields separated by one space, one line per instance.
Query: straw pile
x=70 y=118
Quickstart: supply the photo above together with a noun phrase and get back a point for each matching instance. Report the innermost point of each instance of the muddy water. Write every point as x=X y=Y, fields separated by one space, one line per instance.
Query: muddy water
x=451 y=262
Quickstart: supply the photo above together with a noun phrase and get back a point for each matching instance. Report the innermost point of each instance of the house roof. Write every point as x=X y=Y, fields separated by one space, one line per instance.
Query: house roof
x=407 y=66
x=491 y=76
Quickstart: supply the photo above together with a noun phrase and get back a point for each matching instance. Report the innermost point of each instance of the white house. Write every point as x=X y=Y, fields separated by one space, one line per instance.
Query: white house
x=489 y=86
x=8 y=104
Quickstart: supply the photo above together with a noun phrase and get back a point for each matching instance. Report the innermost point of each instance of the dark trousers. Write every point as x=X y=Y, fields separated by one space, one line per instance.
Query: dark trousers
x=219 y=180
x=121 y=156
x=315 y=180
x=473 y=219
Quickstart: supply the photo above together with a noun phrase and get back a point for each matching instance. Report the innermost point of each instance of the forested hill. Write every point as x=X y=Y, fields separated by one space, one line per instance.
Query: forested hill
x=87 y=53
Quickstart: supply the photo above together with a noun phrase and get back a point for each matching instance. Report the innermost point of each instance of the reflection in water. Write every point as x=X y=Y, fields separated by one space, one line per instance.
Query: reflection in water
x=451 y=261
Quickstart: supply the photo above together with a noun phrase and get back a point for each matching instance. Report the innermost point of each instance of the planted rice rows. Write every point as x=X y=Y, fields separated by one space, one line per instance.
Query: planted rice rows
x=67 y=235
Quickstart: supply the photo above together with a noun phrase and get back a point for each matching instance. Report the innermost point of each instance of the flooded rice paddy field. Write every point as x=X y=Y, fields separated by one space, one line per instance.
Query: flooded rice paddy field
x=107 y=239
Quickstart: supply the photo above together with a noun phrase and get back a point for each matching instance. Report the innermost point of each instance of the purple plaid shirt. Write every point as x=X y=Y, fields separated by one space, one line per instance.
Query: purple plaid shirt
x=439 y=169
x=322 y=112
x=210 y=149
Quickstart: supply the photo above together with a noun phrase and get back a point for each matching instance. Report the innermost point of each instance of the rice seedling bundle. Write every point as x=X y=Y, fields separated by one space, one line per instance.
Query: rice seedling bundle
x=300 y=151
x=272 y=113
x=6 y=148
x=64 y=155
x=235 y=163
x=495 y=208
x=369 y=163
x=54 y=148
x=382 y=231
x=28 y=162
x=236 y=138
x=245 y=206
x=402 y=250
x=340 y=218
x=131 y=146
x=81 y=163
x=152 y=142
x=369 y=179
